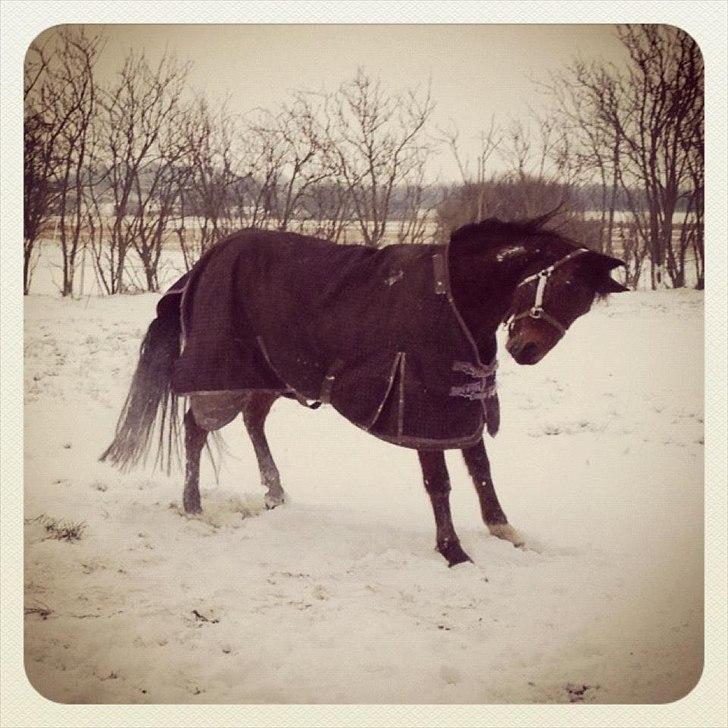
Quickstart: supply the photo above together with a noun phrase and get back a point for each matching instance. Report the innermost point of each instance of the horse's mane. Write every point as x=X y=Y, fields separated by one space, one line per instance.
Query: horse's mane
x=493 y=228
x=480 y=235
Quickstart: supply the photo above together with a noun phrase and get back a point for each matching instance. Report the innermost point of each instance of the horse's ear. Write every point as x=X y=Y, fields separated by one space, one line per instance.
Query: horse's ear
x=600 y=262
x=601 y=265
x=613 y=286
x=612 y=263
x=541 y=220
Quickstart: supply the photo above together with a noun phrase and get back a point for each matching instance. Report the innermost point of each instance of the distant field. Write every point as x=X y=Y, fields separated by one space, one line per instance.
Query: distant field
x=351 y=232
x=47 y=276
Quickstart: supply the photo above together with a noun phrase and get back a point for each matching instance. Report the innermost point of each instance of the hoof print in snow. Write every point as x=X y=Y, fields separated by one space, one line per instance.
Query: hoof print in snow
x=202 y=619
x=579 y=693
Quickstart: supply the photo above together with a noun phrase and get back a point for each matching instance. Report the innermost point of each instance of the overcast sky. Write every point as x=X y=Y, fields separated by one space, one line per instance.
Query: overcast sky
x=476 y=70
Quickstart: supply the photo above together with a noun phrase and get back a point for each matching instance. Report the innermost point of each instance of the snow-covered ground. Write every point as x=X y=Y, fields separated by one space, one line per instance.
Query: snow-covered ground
x=339 y=596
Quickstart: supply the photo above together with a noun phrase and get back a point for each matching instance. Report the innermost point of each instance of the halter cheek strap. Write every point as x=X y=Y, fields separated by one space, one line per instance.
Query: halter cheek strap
x=537 y=311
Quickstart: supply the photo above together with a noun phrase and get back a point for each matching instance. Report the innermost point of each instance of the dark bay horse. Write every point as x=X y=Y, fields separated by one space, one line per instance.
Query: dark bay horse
x=401 y=341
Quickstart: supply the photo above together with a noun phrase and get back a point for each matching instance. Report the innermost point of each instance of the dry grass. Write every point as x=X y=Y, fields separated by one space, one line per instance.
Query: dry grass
x=41 y=610
x=60 y=530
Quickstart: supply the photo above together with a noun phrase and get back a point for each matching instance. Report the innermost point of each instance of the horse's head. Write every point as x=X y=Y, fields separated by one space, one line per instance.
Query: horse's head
x=556 y=290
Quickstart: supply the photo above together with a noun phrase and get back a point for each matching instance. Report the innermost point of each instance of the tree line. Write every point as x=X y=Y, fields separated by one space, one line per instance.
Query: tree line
x=129 y=168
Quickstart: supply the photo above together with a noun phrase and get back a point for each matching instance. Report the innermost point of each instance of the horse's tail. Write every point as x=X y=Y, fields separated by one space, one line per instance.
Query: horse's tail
x=151 y=404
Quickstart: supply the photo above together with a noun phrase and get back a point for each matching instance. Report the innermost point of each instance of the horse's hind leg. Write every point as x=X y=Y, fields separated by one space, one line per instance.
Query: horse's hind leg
x=476 y=459
x=255 y=410
x=195 y=437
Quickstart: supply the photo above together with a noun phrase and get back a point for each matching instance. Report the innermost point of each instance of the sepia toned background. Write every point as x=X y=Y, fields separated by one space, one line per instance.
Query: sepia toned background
x=144 y=145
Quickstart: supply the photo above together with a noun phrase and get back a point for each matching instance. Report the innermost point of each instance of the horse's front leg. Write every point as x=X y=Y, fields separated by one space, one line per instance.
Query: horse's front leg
x=437 y=484
x=495 y=519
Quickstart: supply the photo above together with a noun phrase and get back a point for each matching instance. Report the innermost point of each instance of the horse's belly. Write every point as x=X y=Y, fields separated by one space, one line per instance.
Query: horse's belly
x=213 y=410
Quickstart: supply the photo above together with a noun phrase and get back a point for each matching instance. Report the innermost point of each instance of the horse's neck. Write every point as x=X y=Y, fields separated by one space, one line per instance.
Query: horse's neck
x=483 y=283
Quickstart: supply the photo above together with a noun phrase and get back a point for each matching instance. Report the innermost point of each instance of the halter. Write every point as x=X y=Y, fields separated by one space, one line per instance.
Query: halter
x=537 y=311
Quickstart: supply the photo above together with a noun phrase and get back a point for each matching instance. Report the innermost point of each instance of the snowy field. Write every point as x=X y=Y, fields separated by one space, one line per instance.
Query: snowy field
x=339 y=595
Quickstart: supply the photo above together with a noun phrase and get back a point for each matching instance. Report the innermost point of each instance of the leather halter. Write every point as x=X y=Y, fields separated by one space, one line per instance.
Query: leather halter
x=537 y=311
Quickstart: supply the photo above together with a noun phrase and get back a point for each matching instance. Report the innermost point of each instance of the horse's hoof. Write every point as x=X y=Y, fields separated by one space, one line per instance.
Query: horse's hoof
x=272 y=501
x=454 y=554
x=506 y=532
x=460 y=559
x=193 y=509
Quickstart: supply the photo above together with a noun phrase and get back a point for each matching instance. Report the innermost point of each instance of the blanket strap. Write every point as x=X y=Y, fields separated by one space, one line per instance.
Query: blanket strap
x=483 y=388
x=440 y=272
x=289 y=392
x=483 y=385
x=328 y=383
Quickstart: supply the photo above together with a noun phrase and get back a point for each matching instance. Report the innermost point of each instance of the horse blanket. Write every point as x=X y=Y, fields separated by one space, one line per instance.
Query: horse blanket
x=373 y=332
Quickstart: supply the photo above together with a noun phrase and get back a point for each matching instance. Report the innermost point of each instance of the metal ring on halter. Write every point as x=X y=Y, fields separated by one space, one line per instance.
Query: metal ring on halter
x=536 y=312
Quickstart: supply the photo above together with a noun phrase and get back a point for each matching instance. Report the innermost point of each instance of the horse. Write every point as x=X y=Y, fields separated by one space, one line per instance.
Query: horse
x=401 y=340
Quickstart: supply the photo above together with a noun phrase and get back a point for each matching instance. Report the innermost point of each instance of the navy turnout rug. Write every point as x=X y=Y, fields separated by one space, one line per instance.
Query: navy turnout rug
x=373 y=332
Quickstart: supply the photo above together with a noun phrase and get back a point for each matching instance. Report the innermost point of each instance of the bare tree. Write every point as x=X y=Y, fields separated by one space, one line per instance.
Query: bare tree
x=489 y=142
x=39 y=133
x=413 y=211
x=581 y=93
x=135 y=110
x=633 y=252
x=325 y=210
x=294 y=132
x=155 y=197
x=41 y=130
x=693 y=226
x=75 y=101
x=375 y=141
x=665 y=91
x=636 y=125
x=517 y=150
x=207 y=193
x=510 y=197
x=528 y=152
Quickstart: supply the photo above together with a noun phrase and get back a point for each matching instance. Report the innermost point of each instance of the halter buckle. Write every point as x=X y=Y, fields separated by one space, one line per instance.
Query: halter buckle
x=536 y=312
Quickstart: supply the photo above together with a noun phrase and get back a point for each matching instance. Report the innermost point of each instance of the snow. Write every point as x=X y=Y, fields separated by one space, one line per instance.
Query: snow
x=339 y=596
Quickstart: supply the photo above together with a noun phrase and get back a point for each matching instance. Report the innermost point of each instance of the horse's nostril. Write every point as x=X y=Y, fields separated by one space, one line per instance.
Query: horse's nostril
x=529 y=351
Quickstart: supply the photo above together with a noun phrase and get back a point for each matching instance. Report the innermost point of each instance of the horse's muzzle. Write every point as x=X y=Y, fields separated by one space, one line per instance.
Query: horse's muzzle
x=524 y=353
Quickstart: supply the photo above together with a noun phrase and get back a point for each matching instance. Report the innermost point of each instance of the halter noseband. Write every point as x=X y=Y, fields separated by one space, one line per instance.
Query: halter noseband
x=537 y=311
